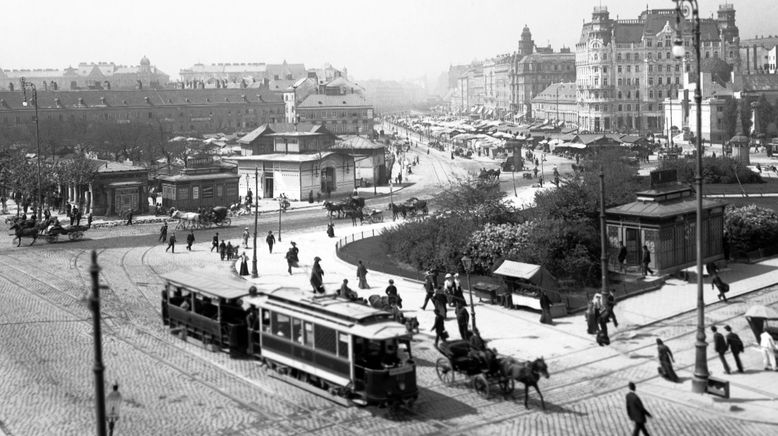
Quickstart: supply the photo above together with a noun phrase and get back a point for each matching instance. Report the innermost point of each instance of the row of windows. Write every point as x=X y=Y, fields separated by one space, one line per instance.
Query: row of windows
x=198 y=192
x=305 y=333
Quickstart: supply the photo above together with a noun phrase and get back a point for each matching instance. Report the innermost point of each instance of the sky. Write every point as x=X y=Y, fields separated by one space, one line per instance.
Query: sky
x=391 y=40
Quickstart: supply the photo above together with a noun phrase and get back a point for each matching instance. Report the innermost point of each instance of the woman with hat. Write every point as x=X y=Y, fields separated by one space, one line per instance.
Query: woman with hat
x=246 y=237
x=317 y=276
x=393 y=297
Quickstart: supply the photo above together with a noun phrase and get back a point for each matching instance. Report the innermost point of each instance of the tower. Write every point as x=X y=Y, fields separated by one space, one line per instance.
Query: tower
x=526 y=44
x=726 y=19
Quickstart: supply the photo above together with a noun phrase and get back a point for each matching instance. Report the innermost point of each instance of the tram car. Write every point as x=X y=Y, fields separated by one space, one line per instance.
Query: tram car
x=353 y=352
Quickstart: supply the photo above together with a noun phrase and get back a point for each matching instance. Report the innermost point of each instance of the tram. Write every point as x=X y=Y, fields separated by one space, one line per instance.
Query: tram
x=350 y=350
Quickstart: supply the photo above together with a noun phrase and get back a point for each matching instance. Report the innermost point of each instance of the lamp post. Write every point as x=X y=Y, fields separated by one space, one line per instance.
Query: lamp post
x=113 y=403
x=254 y=272
x=31 y=86
x=98 y=368
x=280 y=209
x=467 y=263
x=700 y=379
x=603 y=236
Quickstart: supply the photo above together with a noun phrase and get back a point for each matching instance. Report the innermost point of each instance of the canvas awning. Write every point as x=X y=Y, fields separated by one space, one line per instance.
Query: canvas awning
x=535 y=274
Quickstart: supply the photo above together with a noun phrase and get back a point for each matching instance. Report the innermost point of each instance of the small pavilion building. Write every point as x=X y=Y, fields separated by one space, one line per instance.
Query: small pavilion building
x=664 y=220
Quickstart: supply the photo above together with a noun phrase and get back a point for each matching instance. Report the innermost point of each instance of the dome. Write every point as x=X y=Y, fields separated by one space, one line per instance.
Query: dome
x=526 y=32
x=145 y=61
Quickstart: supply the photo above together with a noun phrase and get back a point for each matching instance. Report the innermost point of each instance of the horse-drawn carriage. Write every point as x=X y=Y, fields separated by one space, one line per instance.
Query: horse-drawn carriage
x=486 y=370
x=74 y=233
x=217 y=216
x=345 y=208
x=372 y=217
x=49 y=230
x=412 y=206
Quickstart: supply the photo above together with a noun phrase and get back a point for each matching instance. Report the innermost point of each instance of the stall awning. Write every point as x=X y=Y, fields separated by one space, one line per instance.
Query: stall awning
x=535 y=274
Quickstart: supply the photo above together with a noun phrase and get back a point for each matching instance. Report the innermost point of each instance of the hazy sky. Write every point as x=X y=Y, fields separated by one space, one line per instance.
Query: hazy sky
x=374 y=39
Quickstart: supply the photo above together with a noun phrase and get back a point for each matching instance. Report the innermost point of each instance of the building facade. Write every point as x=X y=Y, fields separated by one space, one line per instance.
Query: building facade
x=533 y=70
x=497 y=90
x=254 y=72
x=758 y=55
x=342 y=114
x=172 y=111
x=557 y=102
x=88 y=75
x=625 y=68
x=204 y=183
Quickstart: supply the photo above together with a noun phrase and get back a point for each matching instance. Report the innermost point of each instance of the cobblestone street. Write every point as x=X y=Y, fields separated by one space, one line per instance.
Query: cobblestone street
x=179 y=388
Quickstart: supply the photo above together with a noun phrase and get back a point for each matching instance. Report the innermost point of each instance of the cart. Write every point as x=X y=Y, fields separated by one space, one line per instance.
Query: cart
x=217 y=216
x=73 y=233
x=374 y=216
x=484 y=375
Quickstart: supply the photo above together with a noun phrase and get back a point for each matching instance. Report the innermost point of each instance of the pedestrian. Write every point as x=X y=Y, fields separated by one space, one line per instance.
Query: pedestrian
x=434 y=274
x=636 y=411
x=666 y=361
x=291 y=259
x=171 y=245
x=622 y=257
x=331 y=229
x=362 y=275
x=736 y=346
x=440 y=300
x=767 y=345
x=591 y=320
x=215 y=243
x=439 y=326
x=190 y=240
x=458 y=294
x=610 y=304
x=317 y=276
x=270 y=240
x=229 y=250
x=720 y=346
x=721 y=286
x=646 y=261
x=223 y=250
x=296 y=252
x=78 y=216
x=246 y=235
x=712 y=269
x=463 y=319
x=392 y=296
x=545 y=308
x=163 y=232
x=244 y=264
x=429 y=288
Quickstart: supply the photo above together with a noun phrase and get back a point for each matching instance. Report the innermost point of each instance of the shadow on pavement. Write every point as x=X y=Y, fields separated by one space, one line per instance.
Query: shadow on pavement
x=436 y=406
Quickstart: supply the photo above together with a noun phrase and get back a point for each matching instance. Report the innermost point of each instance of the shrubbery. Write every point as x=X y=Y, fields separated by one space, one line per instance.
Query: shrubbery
x=750 y=227
x=437 y=241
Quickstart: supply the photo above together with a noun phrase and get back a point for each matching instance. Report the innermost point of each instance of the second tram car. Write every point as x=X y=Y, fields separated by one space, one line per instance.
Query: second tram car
x=349 y=349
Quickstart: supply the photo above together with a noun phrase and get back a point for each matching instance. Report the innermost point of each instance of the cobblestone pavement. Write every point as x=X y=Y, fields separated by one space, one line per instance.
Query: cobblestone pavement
x=178 y=388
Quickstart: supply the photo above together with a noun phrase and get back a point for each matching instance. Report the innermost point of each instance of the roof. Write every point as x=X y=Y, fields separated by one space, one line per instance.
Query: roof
x=207 y=284
x=357 y=143
x=665 y=209
x=139 y=97
x=269 y=129
x=192 y=177
x=321 y=100
x=545 y=57
x=760 y=82
x=281 y=157
x=107 y=166
x=517 y=269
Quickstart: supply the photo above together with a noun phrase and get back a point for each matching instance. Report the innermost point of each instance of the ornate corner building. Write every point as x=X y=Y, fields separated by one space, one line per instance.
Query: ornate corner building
x=625 y=68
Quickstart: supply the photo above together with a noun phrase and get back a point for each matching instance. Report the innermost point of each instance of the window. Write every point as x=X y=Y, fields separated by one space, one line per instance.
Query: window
x=707 y=55
x=605 y=70
x=627 y=56
x=629 y=81
x=658 y=80
x=183 y=193
x=618 y=56
x=619 y=81
x=604 y=81
x=637 y=94
x=650 y=107
x=207 y=191
x=280 y=325
x=619 y=96
x=343 y=345
x=619 y=108
x=195 y=192
x=629 y=107
x=659 y=43
x=650 y=81
x=618 y=69
x=650 y=93
x=324 y=338
x=659 y=55
x=649 y=43
x=596 y=80
x=629 y=95
x=629 y=68
x=219 y=190
x=637 y=68
x=659 y=93
x=650 y=68
x=677 y=68
x=297 y=331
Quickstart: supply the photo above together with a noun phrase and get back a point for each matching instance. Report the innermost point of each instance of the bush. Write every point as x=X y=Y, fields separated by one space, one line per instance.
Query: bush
x=437 y=242
x=714 y=170
x=750 y=227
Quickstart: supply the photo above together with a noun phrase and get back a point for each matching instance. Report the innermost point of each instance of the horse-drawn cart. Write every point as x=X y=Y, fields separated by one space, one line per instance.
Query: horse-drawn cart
x=217 y=216
x=74 y=233
x=374 y=216
x=481 y=367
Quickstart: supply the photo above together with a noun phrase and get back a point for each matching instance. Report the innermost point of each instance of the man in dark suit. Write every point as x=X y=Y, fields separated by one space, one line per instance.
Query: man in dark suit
x=735 y=345
x=720 y=345
x=637 y=413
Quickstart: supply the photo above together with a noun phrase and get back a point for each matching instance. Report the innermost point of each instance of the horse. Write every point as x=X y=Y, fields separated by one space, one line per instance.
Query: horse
x=525 y=372
x=354 y=214
x=398 y=209
x=415 y=205
x=186 y=220
x=25 y=232
x=333 y=208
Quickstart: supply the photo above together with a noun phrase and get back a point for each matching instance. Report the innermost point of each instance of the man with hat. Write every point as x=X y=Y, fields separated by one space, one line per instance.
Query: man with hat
x=393 y=297
x=291 y=258
x=429 y=288
x=735 y=345
x=215 y=243
x=270 y=239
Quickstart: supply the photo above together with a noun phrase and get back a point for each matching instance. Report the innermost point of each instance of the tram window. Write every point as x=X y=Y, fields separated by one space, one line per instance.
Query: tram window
x=266 y=321
x=281 y=325
x=343 y=345
x=297 y=330
x=308 y=340
x=324 y=338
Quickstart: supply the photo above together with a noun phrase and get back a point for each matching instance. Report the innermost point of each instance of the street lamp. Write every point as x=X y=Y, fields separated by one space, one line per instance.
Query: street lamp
x=98 y=368
x=254 y=272
x=467 y=263
x=113 y=403
x=700 y=379
x=25 y=85
x=280 y=209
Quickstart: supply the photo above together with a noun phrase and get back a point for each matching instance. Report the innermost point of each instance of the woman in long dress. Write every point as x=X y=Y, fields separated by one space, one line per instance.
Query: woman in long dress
x=244 y=264
x=666 y=361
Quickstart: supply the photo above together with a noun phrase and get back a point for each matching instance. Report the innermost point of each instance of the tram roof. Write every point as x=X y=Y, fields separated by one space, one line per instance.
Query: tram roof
x=329 y=305
x=208 y=285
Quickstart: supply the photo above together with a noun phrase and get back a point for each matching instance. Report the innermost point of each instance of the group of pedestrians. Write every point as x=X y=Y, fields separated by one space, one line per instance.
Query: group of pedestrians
x=599 y=312
x=171 y=241
x=449 y=294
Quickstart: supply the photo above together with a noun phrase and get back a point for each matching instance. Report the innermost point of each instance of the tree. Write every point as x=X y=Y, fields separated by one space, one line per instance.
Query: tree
x=751 y=227
x=728 y=118
x=765 y=114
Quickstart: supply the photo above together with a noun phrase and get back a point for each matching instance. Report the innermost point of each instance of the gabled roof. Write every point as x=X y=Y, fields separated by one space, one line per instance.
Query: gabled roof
x=653 y=209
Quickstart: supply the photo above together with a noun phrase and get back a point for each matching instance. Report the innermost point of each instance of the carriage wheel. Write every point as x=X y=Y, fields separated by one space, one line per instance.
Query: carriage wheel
x=507 y=385
x=180 y=225
x=445 y=371
x=481 y=385
x=78 y=235
x=226 y=222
